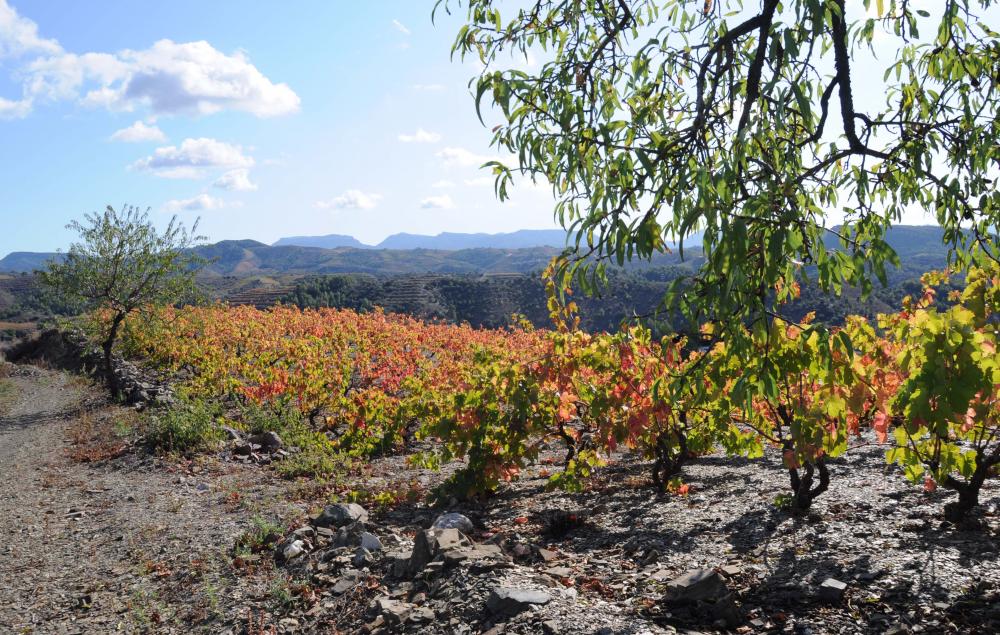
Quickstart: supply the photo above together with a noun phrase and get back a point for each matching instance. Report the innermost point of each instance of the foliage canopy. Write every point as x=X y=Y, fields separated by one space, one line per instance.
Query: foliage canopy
x=122 y=264
x=743 y=123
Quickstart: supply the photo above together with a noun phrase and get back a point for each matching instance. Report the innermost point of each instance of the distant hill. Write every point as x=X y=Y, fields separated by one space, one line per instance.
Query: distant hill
x=919 y=247
x=449 y=241
x=25 y=261
x=246 y=257
x=907 y=240
x=330 y=241
x=249 y=257
x=453 y=241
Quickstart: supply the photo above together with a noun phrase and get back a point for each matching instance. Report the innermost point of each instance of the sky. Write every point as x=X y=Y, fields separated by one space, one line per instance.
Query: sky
x=262 y=120
x=320 y=117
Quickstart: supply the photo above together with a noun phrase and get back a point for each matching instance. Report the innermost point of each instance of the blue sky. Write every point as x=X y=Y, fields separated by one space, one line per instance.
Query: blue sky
x=321 y=117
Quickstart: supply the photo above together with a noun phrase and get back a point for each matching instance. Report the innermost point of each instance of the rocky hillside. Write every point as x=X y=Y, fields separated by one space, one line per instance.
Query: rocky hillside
x=448 y=241
x=518 y=252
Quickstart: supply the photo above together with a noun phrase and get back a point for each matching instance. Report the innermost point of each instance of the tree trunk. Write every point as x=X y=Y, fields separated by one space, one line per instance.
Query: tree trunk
x=108 y=346
x=569 y=441
x=668 y=464
x=803 y=492
x=968 y=493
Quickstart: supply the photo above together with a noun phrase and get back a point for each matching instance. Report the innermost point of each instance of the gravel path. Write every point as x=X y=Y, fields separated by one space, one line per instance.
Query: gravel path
x=35 y=517
x=132 y=545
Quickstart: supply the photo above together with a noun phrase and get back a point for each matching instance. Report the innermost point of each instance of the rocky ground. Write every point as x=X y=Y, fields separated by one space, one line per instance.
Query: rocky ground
x=101 y=537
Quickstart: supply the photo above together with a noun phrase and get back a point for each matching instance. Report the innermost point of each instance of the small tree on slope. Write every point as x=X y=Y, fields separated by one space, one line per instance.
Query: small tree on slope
x=122 y=264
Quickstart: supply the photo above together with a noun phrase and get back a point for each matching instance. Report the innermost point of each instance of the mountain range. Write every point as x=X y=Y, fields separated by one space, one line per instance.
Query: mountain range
x=252 y=258
x=450 y=241
x=920 y=247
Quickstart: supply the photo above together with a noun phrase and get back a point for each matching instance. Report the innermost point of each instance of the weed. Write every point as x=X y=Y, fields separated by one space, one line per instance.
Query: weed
x=318 y=460
x=145 y=610
x=783 y=501
x=233 y=502
x=176 y=504
x=7 y=394
x=281 y=591
x=190 y=426
x=123 y=428
x=101 y=436
x=385 y=497
x=259 y=624
x=214 y=603
x=317 y=457
x=261 y=535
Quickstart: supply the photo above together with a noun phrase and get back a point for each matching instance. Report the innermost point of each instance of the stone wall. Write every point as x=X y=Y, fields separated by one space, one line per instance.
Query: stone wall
x=71 y=350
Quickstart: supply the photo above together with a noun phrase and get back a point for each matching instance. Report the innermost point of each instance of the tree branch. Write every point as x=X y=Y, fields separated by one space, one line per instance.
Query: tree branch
x=757 y=66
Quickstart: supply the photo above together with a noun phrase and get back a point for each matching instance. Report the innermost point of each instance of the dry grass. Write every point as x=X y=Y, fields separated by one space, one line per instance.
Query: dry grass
x=17 y=326
x=8 y=393
x=102 y=435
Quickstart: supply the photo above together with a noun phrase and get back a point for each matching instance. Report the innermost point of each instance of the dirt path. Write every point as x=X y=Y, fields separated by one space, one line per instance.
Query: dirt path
x=35 y=517
x=95 y=548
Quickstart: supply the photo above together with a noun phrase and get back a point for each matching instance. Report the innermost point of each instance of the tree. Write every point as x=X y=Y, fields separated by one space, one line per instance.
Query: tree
x=666 y=120
x=949 y=402
x=806 y=412
x=123 y=264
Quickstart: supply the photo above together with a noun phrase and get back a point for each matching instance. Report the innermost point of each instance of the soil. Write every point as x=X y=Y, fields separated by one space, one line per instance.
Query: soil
x=102 y=537
x=128 y=544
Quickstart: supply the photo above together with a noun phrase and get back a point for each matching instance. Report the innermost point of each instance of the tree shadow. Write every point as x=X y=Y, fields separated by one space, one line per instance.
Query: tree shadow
x=977 y=609
x=754 y=528
x=9 y=424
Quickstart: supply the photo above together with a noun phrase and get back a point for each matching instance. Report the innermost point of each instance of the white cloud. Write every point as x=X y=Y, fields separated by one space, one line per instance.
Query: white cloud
x=64 y=76
x=168 y=78
x=461 y=156
x=138 y=133
x=539 y=186
x=19 y=35
x=10 y=109
x=428 y=87
x=437 y=202
x=184 y=172
x=420 y=136
x=196 y=77
x=351 y=199
x=192 y=157
x=481 y=181
x=237 y=180
x=443 y=184
x=202 y=202
x=400 y=27
x=525 y=62
x=517 y=60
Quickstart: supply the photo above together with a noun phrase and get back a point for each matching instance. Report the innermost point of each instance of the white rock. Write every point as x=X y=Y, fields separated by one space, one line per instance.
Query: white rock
x=454 y=520
x=370 y=541
x=293 y=549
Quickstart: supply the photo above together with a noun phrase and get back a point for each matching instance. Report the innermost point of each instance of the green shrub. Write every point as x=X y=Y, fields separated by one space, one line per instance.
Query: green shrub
x=190 y=426
x=7 y=393
x=314 y=455
x=316 y=461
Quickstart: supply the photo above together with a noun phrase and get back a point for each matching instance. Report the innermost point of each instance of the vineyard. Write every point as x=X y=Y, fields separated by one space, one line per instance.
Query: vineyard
x=923 y=382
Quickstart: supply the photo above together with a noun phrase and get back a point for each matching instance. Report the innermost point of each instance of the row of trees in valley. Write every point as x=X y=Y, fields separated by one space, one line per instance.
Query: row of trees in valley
x=627 y=296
